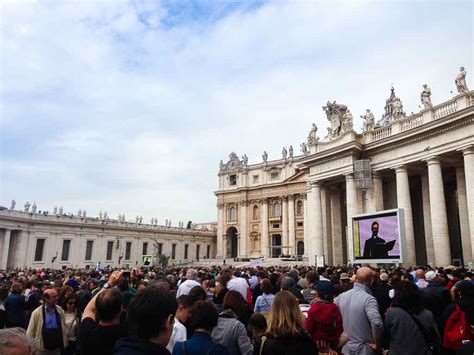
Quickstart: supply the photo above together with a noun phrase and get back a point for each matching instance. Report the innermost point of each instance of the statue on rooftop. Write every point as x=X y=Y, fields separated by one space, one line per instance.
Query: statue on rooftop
x=100 y=215
x=245 y=159
x=425 y=96
x=312 y=136
x=61 y=211
x=79 y=213
x=27 y=206
x=290 y=151
x=369 y=121
x=105 y=215
x=284 y=153
x=12 y=207
x=33 y=208
x=304 y=148
x=347 y=121
x=265 y=156
x=221 y=165
x=393 y=110
x=460 y=81
x=335 y=113
x=84 y=214
x=55 y=210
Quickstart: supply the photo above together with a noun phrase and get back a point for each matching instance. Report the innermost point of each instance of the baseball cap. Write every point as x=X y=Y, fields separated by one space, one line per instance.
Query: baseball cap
x=383 y=276
x=430 y=275
x=324 y=287
x=344 y=276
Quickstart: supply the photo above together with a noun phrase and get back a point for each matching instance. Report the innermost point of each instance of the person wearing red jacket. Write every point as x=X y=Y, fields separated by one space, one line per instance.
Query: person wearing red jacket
x=324 y=321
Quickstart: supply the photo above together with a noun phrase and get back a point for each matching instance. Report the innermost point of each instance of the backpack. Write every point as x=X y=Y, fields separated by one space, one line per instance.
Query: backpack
x=456 y=330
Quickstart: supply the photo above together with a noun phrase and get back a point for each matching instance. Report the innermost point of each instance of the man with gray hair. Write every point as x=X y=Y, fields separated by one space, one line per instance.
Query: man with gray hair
x=186 y=286
x=361 y=318
x=15 y=341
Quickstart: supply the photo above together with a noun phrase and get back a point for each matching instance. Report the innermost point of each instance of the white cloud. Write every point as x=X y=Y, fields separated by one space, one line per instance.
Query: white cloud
x=105 y=108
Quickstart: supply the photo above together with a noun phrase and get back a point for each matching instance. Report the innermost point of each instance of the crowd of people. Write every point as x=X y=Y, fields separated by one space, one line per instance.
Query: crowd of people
x=253 y=310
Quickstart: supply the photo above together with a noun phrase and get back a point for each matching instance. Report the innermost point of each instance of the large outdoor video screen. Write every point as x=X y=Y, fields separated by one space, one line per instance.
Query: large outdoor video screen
x=377 y=237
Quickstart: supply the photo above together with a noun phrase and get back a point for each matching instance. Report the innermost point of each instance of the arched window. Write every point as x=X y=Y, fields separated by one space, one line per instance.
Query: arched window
x=233 y=214
x=299 y=208
x=255 y=215
x=277 y=209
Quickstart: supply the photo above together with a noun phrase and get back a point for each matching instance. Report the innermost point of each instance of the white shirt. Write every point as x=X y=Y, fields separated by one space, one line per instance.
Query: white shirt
x=238 y=284
x=422 y=283
x=186 y=286
x=178 y=334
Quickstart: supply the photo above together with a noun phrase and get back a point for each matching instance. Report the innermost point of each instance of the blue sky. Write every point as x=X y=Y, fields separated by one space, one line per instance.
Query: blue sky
x=129 y=106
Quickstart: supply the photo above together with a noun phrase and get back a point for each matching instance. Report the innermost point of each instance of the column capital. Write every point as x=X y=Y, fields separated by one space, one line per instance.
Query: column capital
x=467 y=150
x=284 y=198
x=349 y=176
x=376 y=175
x=244 y=203
x=314 y=184
x=291 y=197
x=220 y=204
x=304 y=196
x=434 y=159
x=400 y=169
x=264 y=200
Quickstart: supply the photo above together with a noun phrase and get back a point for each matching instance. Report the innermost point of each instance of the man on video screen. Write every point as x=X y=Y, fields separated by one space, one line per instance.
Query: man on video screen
x=375 y=247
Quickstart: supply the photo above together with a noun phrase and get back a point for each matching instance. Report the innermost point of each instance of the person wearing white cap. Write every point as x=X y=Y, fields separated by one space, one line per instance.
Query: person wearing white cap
x=435 y=296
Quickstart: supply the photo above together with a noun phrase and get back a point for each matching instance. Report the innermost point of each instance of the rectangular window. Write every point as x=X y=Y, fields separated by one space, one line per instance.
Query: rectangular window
x=110 y=249
x=255 y=179
x=198 y=251
x=65 y=252
x=159 y=247
x=173 y=251
x=232 y=180
x=39 y=249
x=208 y=252
x=186 y=247
x=145 y=249
x=128 y=250
x=89 y=246
x=300 y=224
x=274 y=175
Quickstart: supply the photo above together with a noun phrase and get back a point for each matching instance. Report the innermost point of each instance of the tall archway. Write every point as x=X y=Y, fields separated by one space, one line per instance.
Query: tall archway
x=232 y=242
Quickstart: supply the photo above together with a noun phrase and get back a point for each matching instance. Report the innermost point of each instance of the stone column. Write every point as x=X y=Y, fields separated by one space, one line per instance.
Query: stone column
x=317 y=246
x=351 y=205
x=309 y=225
x=284 y=224
x=468 y=154
x=425 y=190
x=305 y=225
x=6 y=248
x=291 y=225
x=220 y=230
x=244 y=236
x=466 y=246
x=337 y=255
x=404 y=202
x=375 y=194
x=264 y=228
x=326 y=213
x=439 y=218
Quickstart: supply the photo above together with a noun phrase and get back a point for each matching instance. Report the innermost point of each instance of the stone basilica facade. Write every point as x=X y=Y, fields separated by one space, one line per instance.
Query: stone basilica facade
x=422 y=163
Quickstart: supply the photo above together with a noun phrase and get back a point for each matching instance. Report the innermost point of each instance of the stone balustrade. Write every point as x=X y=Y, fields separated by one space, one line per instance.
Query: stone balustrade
x=436 y=112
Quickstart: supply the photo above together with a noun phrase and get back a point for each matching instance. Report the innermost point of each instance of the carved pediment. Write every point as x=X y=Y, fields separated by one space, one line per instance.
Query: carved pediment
x=299 y=176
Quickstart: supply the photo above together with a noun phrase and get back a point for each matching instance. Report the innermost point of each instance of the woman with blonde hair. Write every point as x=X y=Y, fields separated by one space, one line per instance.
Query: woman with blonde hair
x=286 y=333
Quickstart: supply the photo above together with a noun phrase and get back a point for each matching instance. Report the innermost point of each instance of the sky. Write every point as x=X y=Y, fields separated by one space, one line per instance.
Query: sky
x=128 y=106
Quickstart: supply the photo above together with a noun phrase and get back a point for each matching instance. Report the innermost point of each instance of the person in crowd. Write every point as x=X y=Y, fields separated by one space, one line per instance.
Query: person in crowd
x=238 y=284
x=64 y=294
x=180 y=319
x=100 y=337
x=361 y=317
x=191 y=281
x=47 y=326
x=221 y=290
x=72 y=321
x=264 y=302
x=257 y=291
x=324 y=320
x=150 y=323
x=33 y=300
x=3 y=316
x=275 y=280
x=230 y=331
x=311 y=278
x=435 y=296
x=295 y=275
x=288 y=284
x=257 y=327
x=344 y=284
x=204 y=320
x=15 y=341
x=409 y=328
x=381 y=292
x=420 y=276
x=15 y=307
x=286 y=333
